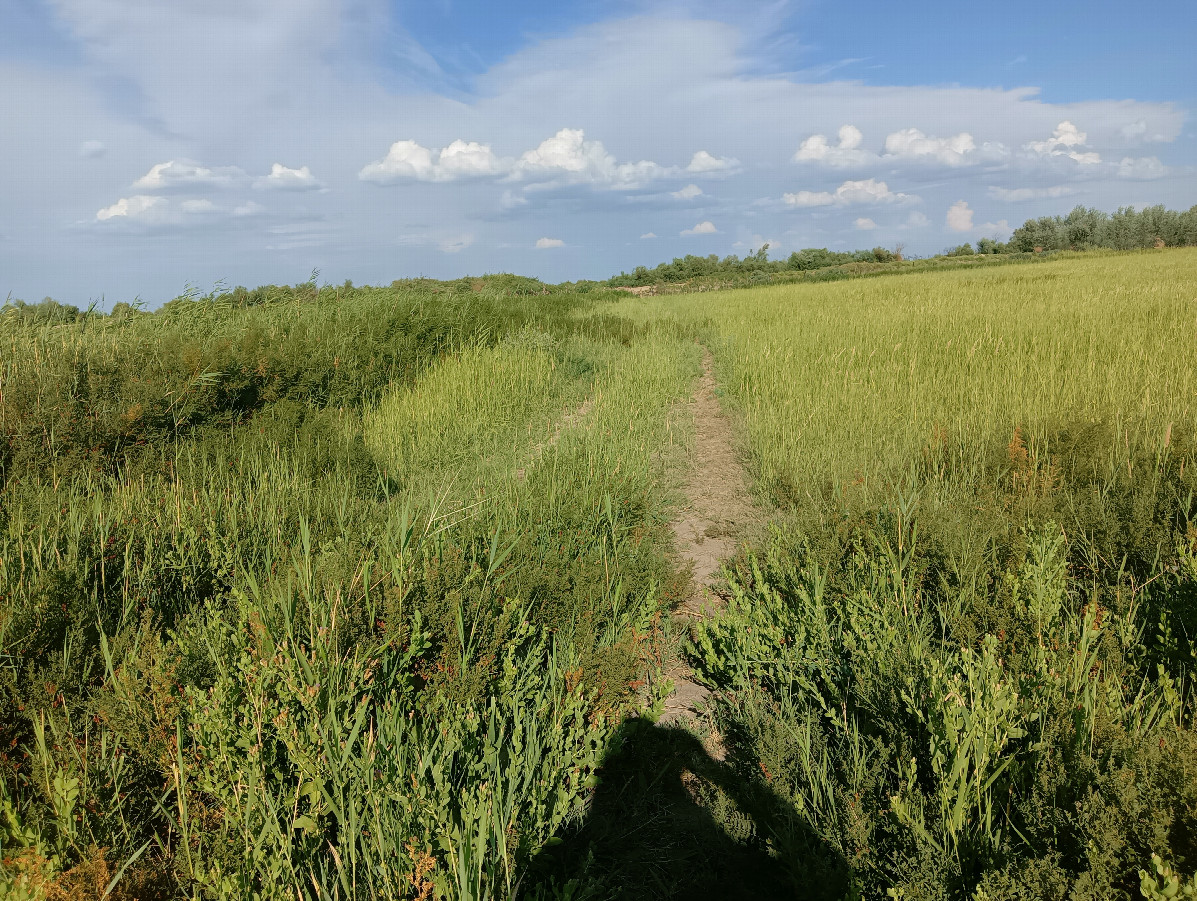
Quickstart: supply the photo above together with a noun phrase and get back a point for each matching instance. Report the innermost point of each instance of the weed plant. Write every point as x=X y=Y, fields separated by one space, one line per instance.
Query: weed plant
x=319 y=593
x=964 y=658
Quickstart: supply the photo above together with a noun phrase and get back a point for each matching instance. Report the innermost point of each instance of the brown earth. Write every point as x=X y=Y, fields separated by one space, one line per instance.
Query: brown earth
x=717 y=515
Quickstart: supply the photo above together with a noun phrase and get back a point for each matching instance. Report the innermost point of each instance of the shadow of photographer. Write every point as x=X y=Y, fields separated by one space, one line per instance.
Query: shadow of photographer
x=670 y=821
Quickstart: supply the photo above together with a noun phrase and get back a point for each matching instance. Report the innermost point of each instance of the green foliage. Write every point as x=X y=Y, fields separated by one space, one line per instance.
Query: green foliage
x=337 y=592
x=926 y=751
x=1169 y=884
x=1082 y=229
x=249 y=651
x=1125 y=229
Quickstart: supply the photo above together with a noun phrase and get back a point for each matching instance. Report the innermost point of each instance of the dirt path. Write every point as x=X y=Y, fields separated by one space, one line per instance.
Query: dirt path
x=717 y=515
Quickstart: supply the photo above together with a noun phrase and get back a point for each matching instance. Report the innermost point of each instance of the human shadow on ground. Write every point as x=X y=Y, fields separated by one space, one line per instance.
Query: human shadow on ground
x=669 y=821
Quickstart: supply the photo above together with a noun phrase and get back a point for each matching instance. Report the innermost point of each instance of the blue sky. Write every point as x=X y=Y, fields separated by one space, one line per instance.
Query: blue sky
x=151 y=146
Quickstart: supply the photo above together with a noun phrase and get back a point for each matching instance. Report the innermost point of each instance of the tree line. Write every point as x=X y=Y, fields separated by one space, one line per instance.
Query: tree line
x=1082 y=229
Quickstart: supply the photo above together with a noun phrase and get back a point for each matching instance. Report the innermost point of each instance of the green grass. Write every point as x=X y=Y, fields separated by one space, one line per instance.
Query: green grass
x=964 y=657
x=356 y=593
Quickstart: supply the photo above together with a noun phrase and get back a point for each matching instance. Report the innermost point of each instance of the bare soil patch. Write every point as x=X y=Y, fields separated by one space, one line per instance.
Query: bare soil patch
x=717 y=515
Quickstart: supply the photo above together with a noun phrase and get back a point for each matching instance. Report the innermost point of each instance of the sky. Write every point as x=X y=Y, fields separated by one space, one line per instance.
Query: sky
x=150 y=149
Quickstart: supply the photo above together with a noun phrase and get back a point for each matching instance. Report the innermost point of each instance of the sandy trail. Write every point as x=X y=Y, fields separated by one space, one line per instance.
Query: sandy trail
x=717 y=515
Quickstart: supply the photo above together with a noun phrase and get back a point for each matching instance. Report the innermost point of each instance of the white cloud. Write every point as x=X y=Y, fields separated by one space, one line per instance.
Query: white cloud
x=91 y=150
x=139 y=206
x=549 y=243
x=865 y=224
x=155 y=210
x=466 y=159
x=407 y=159
x=817 y=149
x=1145 y=168
x=282 y=178
x=647 y=235
x=1065 y=137
x=293 y=73
x=907 y=144
x=702 y=228
x=705 y=162
x=687 y=193
x=187 y=174
x=868 y=190
x=960 y=217
x=1019 y=195
x=567 y=157
x=917 y=219
x=910 y=143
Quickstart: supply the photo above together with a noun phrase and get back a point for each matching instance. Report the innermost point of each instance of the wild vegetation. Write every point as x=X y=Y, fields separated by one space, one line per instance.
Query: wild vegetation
x=1081 y=230
x=328 y=592
x=963 y=658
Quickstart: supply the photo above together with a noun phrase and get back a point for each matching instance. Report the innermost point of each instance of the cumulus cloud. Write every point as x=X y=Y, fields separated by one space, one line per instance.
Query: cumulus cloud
x=249 y=208
x=647 y=235
x=1020 y=195
x=917 y=219
x=282 y=178
x=152 y=210
x=702 y=228
x=549 y=243
x=91 y=150
x=866 y=191
x=703 y=162
x=407 y=159
x=139 y=206
x=910 y=143
x=187 y=174
x=565 y=158
x=569 y=158
x=466 y=159
x=865 y=224
x=817 y=149
x=289 y=79
x=960 y=219
x=1065 y=137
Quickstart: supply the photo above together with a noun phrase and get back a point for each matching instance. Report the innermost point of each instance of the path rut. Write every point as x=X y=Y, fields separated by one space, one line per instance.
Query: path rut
x=717 y=514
